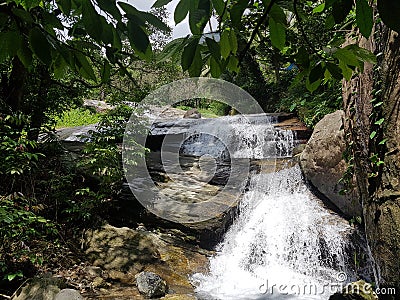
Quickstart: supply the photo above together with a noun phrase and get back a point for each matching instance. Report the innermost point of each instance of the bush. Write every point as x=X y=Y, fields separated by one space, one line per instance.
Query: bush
x=311 y=107
x=77 y=117
x=21 y=227
x=17 y=153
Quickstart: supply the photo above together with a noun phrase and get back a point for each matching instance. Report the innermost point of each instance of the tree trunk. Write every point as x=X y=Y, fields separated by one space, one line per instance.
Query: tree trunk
x=379 y=184
x=15 y=85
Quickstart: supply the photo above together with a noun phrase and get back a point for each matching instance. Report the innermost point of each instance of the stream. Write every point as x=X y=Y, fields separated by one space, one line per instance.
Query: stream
x=284 y=243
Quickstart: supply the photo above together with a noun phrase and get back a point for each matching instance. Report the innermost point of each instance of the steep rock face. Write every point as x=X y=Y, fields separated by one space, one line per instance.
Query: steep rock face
x=323 y=164
x=380 y=193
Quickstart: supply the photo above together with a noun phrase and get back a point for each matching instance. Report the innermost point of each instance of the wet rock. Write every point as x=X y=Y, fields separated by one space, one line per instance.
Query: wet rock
x=323 y=164
x=45 y=288
x=298 y=149
x=123 y=253
x=192 y=114
x=179 y=297
x=126 y=278
x=93 y=271
x=68 y=294
x=97 y=105
x=359 y=290
x=151 y=284
x=98 y=282
x=119 y=248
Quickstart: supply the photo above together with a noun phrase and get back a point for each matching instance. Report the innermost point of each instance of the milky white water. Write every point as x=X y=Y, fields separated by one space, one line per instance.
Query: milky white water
x=250 y=136
x=284 y=244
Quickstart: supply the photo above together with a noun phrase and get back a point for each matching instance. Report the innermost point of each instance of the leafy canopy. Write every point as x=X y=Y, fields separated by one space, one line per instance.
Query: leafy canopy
x=318 y=63
x=64 y=34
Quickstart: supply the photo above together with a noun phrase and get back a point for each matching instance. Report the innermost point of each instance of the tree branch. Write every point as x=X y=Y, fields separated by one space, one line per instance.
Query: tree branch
x=302 y=31
x=255 y=31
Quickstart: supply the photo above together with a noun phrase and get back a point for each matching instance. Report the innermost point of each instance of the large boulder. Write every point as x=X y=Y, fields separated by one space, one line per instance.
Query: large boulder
x=68 y=294
x=39 y=288
x=150 y=284
x=120 y=248
x=323 y=164
x=192 y=114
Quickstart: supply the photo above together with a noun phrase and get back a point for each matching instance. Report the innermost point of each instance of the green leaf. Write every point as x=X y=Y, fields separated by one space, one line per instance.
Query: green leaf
x=341 y=8
x=52 y=20
x=316 y=73
x=60 y=67
x=85 y=67
x=329 y=3
x=219 y=6
x=154 y=21
x=181 y=11
x=334 y=70
x=110 y=7
x=23 y=15
x=320 y=8
x=171 y=49
x=225 y=44
x=233 y=41
x=25 y=56
x=362 y=53
x=237 y=11
x=277 y=34
x=105 y=72
x=380 y=121
x=160 y=3
x=215 y=68
x=364 y=17
x=10 y=43
x=233 y=64
x=329 y=22
x=65 y=6
x=302 y=57
x=198 y=17
x=312 y=87
x=90 y=19
x=137 y=37
x=214 y=48
x=346 y=71
x=107 y=35
x=348 y=56
x=197 y=64
x=117 y=44
x=382 y=142
x=40 y=46
x=278 y=14
x=189 y=53
x=389 y=11
x=372 y=135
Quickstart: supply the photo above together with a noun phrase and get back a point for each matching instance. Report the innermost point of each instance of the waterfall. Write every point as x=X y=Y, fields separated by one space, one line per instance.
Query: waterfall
x=284 y=243
x=250 y=136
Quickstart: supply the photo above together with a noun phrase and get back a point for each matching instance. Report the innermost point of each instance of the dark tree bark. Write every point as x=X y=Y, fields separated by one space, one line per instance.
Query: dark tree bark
x=379 y=184
x=15 y=85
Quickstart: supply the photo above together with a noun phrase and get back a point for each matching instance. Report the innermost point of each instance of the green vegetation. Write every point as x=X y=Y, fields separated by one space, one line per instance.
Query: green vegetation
x=53 y=54
x=77 y=117
x=207 y=108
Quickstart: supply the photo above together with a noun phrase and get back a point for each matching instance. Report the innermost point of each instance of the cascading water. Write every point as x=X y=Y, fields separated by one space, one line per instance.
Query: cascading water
x=251 y=136
x=284 y=243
